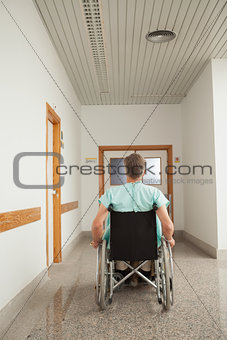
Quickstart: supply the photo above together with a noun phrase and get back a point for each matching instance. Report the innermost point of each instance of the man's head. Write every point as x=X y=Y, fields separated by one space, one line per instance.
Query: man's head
x=135 y=166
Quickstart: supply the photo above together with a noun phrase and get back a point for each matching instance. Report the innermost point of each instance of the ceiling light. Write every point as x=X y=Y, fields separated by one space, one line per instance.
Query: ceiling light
x=160 y=36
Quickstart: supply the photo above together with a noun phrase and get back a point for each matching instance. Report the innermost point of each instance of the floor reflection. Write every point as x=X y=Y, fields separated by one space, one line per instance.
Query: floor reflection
x=57 y=310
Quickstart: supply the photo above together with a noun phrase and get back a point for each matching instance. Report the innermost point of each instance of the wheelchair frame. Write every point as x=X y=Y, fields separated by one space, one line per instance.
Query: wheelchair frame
x=107 y=280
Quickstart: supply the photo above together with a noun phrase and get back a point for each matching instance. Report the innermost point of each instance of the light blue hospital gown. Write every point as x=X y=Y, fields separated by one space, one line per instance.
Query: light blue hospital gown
x=133 y=197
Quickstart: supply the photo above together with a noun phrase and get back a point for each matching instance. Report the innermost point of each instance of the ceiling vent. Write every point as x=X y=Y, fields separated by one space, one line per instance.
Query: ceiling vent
x=92 y=14
x=160 y=36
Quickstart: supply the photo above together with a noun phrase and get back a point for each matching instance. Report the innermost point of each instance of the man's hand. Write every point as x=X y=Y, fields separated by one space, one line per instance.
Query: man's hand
x=95 y=244
x=97 y=226
x=171 y=242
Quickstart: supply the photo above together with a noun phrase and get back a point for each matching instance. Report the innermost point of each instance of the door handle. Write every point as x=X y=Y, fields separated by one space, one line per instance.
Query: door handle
x=54 y=192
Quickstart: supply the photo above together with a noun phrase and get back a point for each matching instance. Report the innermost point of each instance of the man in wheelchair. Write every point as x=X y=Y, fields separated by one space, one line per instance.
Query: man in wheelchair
x=134 y=197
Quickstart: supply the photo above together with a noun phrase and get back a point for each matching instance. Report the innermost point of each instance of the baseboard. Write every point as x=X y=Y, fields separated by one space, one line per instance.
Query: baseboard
x=87 y=233
x=178 y=235
x=9 y=311
x=222 y=254
x=205 y=247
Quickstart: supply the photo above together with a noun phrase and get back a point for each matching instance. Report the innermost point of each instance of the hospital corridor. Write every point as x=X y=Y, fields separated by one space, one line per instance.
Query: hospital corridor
x=113 y=219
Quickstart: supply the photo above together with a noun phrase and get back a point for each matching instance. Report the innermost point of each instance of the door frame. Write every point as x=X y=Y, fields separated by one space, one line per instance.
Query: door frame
x=168 y=148
x=52 y=116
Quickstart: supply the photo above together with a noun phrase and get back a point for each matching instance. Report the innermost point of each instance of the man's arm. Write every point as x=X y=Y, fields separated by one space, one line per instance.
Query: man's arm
x=167 y=224
x=97 y=225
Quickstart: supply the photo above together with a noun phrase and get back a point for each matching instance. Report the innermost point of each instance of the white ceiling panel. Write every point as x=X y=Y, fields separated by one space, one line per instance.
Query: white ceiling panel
x=102 y=46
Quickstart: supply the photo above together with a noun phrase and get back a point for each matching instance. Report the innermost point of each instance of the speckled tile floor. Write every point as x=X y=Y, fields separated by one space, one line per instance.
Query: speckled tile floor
x=64 y=307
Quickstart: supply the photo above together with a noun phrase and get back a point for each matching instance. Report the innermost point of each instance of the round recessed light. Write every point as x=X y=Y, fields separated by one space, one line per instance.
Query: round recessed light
x=160 y=36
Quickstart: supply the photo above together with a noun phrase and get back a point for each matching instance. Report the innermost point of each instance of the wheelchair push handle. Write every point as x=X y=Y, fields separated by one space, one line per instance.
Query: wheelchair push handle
x=155 y=207
x=110 y=207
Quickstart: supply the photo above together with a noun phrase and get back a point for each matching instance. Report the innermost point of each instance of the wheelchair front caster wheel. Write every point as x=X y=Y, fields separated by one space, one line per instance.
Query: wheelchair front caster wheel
x=118 y=277
x=160 y=301
x=110 y=301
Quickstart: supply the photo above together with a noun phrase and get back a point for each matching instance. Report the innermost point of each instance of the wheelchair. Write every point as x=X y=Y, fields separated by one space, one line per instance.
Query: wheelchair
x=133 y=237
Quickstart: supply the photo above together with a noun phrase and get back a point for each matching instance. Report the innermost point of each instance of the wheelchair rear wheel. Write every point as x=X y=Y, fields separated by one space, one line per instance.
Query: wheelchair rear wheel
x=166 y=276
x=105 y=278
x=171 y=274
x=98 y=275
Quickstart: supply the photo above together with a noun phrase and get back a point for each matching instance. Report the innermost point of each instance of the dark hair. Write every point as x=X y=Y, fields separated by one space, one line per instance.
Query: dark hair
x=134 y=165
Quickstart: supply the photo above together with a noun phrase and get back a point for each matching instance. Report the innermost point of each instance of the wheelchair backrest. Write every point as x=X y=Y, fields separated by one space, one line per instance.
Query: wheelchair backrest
x=133 y=236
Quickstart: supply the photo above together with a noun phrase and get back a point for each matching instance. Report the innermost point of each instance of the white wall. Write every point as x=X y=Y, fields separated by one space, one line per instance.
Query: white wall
x=25 y=87
x=219 y=74
x=118 y=125
x=198 y=149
